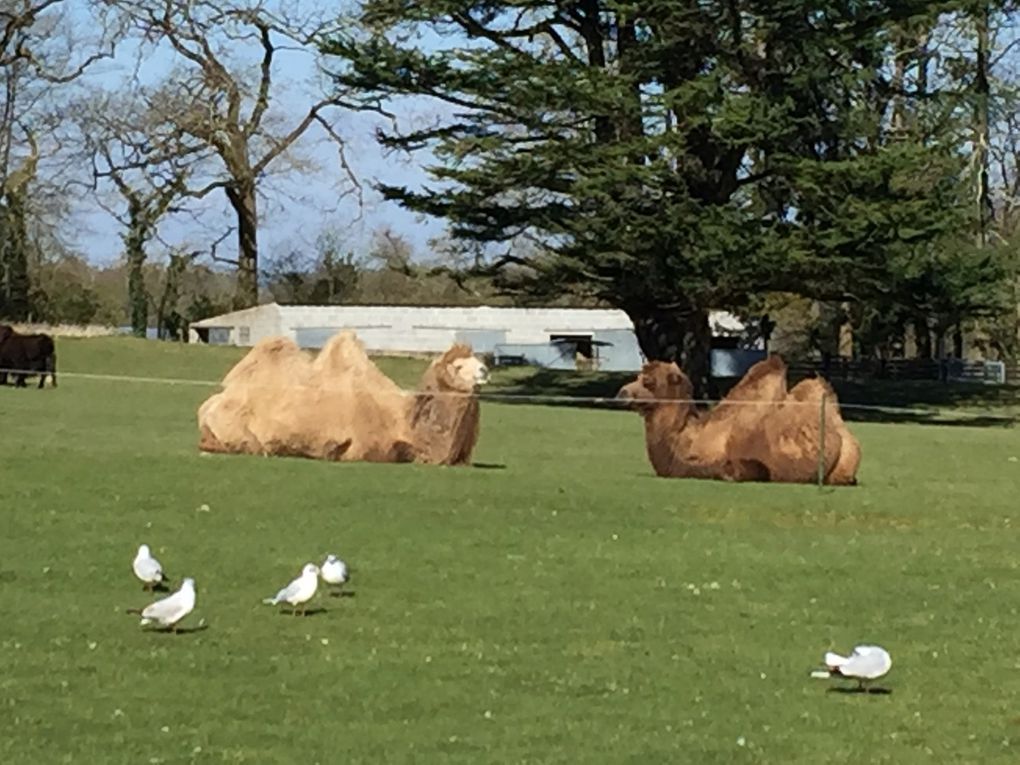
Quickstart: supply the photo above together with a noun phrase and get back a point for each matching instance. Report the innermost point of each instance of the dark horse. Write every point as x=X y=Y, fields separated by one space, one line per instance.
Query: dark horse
x=23 y=355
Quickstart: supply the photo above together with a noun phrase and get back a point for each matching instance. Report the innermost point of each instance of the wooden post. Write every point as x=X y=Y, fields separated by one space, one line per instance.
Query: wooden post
x=821 y=444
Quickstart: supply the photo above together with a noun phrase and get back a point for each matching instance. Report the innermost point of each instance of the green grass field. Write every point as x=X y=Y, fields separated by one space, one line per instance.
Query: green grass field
x=559 y=604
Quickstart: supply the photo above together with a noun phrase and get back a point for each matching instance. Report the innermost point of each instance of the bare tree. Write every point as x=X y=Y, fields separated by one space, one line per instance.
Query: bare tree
x=44 y=46
x=146 y=164
x=230 y=101
x=41 y=47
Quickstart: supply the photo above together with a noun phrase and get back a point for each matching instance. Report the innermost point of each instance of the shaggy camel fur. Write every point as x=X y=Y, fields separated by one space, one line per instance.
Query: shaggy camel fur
x=339 y=406
x=776 y=440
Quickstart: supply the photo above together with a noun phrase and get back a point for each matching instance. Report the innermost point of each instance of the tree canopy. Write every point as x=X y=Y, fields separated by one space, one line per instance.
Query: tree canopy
x=669 y=158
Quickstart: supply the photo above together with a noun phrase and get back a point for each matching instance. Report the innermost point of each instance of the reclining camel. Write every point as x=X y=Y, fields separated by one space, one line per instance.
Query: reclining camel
x=339 y=406
x=776 y=440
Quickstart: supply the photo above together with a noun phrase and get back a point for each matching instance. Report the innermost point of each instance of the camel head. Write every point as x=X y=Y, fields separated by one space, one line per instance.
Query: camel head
x=458 y=370
x=656 y=381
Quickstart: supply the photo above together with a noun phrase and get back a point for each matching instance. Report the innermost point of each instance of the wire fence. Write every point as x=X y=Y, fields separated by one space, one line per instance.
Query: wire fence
x=609 y=402
x=542 y=398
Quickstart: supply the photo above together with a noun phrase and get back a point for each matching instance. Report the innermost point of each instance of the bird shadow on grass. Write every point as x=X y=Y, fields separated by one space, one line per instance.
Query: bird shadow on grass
x=181 y=630
x=343 y=594
x=309 y=612
x=488 y=466
x=854 y=689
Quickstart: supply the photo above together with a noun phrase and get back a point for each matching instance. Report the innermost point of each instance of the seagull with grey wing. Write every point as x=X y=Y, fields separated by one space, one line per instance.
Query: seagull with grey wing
x=148 y=569
x=299 y=591
x=865 y=664
x=168 y=611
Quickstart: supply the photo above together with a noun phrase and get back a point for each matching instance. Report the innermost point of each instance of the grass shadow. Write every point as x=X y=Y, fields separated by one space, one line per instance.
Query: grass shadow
x=881 y=401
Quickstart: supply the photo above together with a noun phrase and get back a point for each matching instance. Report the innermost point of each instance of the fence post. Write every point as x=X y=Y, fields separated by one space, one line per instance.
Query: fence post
x=821 y=444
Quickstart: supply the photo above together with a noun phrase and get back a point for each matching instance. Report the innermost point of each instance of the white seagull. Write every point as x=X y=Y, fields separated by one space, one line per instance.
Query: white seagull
x=300 y=591
x=168 y=611
x=334 y=571
x=148 y=569
x=866 y=663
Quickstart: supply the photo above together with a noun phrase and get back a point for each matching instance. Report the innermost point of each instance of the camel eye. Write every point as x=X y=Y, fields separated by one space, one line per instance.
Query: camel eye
x=648 y=382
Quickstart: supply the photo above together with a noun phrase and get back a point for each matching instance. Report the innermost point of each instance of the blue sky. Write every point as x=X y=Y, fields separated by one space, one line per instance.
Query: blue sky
x=297 y=206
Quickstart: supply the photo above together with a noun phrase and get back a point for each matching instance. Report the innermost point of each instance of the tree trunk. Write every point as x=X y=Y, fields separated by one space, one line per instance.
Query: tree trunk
x=15 y=300
x=168 y=317
x=681 y=337
x=245 y=203
x=982 y=129
x=922 y=337
x=138 y=298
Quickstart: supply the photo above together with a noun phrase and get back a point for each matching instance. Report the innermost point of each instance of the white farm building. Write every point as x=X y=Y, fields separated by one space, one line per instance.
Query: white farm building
x=550 y=337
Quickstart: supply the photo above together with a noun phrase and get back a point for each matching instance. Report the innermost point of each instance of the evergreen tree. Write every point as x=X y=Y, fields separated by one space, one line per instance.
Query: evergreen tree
x=669 y=156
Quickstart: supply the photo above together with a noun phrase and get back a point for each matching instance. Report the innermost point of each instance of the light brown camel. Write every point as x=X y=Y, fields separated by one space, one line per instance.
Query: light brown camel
x=339 y=406
x=777 y=440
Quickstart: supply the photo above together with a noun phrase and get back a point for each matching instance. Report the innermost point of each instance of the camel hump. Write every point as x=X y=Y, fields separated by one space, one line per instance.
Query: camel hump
x=343 y=352
x=765 y=381
x=266 y=356
x=772 y=365
x=812 y=389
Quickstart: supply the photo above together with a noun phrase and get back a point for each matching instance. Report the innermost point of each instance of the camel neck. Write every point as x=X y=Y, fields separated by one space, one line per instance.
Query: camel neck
x=662 y=426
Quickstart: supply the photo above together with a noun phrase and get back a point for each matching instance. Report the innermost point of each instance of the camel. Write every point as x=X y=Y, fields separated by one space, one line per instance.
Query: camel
x=775 y=440
x=339 y=406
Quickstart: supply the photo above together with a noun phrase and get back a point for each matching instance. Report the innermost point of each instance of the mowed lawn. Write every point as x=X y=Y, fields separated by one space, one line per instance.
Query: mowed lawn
x=557 y=603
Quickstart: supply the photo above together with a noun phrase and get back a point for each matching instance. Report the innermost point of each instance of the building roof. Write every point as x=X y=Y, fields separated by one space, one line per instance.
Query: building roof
x=236 y=317
x=721 y=321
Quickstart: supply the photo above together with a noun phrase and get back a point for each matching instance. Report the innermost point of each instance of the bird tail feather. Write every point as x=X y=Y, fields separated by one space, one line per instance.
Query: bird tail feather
x=821 y=674
x=270 y=601
x=835 y=660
